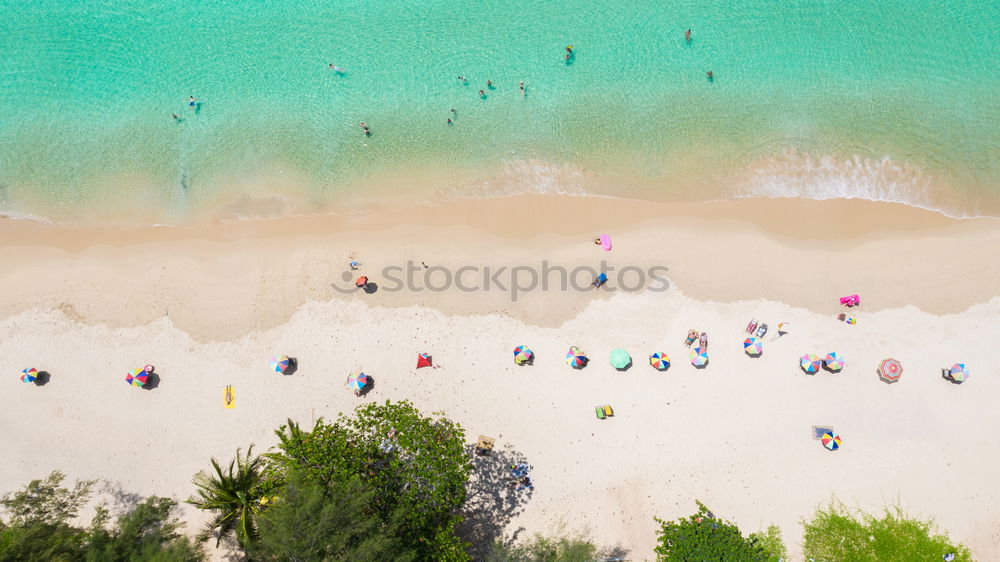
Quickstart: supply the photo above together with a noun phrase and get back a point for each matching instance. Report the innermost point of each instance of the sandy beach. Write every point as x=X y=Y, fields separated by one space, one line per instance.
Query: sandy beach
x=209 y=305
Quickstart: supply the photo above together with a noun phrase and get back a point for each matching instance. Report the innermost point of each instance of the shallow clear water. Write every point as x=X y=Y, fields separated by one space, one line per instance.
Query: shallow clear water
x=891 y=100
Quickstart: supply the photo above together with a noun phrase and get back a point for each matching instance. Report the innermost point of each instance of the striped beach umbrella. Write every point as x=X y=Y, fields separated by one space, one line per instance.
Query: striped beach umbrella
x=810 y=363
x=357 y=381
x=137 y=377
x=523 y=355
x=753 y=347
x=29 y=375
x=576 y=358
x=958 y=372
x=659 y=361
x=889 y=370
x=831 y=441
x=834 y=361
x=620 y=359
x=699 y=358
x=280 y=363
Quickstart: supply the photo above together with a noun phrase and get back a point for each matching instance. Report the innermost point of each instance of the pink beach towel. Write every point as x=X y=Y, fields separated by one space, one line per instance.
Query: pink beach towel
x=606 y=242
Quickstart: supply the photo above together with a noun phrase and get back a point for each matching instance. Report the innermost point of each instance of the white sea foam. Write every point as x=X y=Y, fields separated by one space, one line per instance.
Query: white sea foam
x=794 y=174
x=518 y=177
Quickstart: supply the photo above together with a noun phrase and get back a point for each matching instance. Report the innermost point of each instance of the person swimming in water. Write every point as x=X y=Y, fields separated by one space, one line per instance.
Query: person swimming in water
x=489 y=83
x=687 y=36
x=450 y=122
x=482 y=94
x=174 y=115
x=522 y=88
x=462 y=78
x=364 y=128
x=191 y=101
x=710 y=76
x=336 y=68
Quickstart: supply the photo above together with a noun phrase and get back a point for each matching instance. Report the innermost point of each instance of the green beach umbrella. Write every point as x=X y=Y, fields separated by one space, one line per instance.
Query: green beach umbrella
x=620 y=359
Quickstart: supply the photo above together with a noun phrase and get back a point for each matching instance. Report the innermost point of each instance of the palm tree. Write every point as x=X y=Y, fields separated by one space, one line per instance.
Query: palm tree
x=235 y=496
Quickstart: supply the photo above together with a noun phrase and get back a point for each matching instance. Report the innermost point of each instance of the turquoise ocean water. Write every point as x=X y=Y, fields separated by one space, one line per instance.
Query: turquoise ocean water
x=893 y=100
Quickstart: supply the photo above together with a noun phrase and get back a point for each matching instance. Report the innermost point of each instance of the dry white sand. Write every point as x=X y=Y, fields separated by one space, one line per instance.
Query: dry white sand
x=735 y=435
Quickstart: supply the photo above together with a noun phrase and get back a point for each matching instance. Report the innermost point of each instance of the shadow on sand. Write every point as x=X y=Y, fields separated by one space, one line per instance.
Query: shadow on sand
x=491 y=502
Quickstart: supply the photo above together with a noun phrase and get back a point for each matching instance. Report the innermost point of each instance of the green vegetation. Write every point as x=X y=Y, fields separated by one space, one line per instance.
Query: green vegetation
x=546 y=549
x=39 y=527
x=334 y=522
x=703 y=536
x=234 y=495
x=413 y=467
x=835 y=533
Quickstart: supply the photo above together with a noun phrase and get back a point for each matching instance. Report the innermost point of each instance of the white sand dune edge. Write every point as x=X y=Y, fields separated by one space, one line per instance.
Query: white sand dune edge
x=734 y=435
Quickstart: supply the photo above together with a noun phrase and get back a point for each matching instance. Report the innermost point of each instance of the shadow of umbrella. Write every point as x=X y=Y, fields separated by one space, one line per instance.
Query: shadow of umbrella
x=152 y=381
x=42 y=378
x=370 y=288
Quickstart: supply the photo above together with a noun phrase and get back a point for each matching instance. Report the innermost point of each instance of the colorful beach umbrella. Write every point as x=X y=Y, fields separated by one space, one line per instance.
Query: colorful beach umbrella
x=280 y=363
x=958 y=373
x=357 y=381
x=810 y=363
x=889 y=370
x=659 y=361
x=620 y=359
x=834 y=361
x=699 y=358
x=753 y=347
x=137 y=377
x=423 y=360
x=831 y=441
x=523 y=355
x=29 y=375
x=576 y=358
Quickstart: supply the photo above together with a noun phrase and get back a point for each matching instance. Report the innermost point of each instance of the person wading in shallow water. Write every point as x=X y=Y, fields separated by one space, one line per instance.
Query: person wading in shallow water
x=687 y=36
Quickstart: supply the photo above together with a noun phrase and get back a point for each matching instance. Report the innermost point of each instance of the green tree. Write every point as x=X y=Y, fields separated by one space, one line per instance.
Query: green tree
x=412 y=464
x=40 y=528
x=837 y=533
x=545 y=549
x=236 y=495
x=38 y=525
x=148 y=532
x=312 y=522
x=703 y=536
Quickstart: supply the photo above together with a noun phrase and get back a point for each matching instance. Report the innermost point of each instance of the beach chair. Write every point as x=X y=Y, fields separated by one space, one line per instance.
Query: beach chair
x=761 y=330
x=819 y=430
x=484 y=445
x=608 y=411
x=229 y=397
x=599 y=410
x=850 y=300
x=751 y=326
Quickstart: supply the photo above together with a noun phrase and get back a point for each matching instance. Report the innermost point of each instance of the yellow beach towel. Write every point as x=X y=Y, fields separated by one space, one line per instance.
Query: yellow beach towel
x=229 y=397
